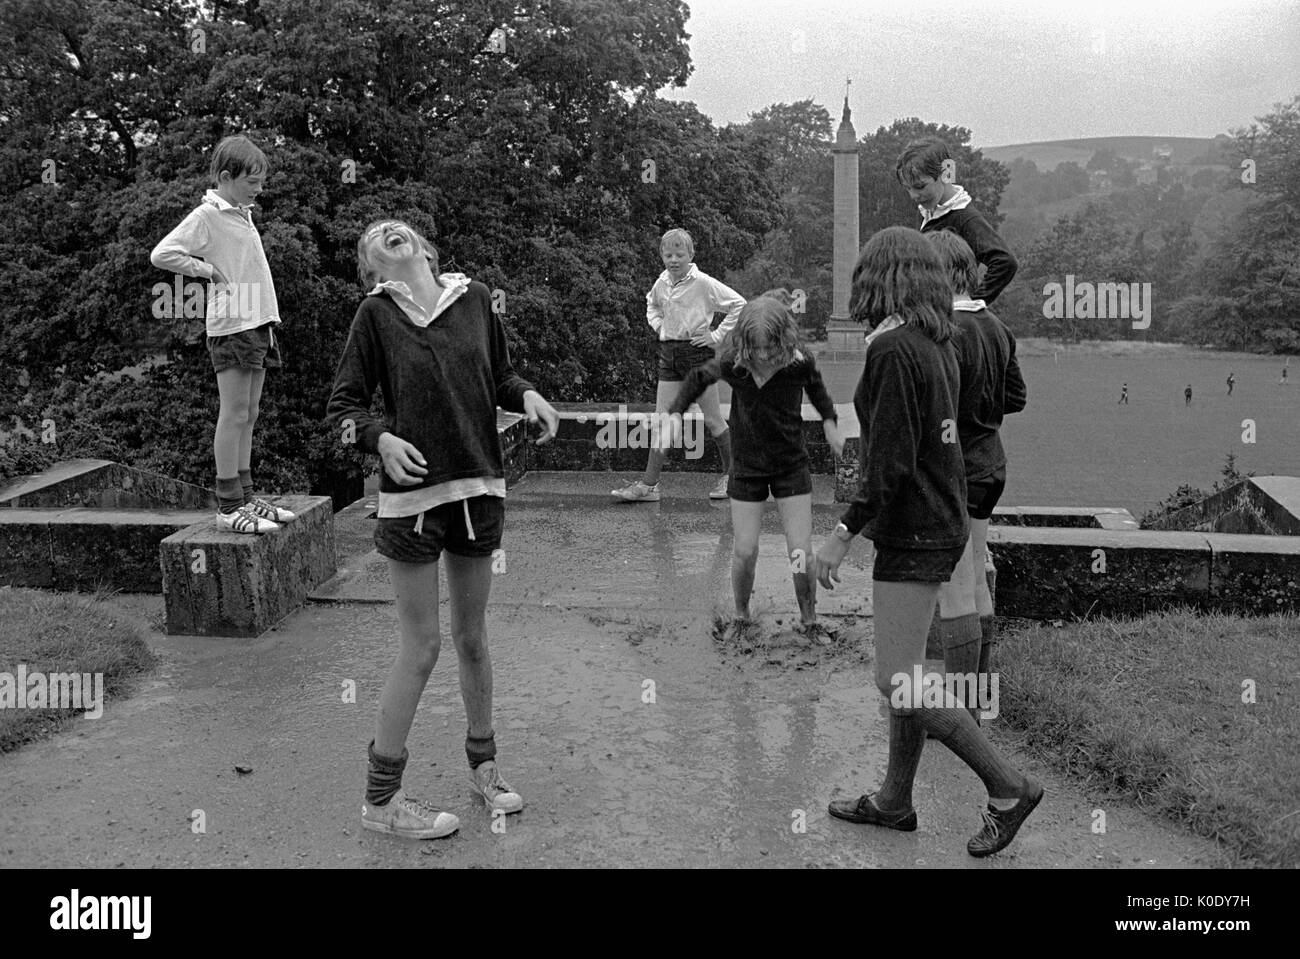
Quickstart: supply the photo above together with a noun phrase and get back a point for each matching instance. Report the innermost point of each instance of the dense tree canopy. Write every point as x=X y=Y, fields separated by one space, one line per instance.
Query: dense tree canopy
x=524 y=137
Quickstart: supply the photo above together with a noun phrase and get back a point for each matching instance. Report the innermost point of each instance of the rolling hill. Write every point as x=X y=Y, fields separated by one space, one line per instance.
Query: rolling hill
x=1046 y=155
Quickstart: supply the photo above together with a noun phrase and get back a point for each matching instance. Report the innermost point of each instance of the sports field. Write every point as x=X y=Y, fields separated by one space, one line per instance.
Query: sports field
x=1074 y=445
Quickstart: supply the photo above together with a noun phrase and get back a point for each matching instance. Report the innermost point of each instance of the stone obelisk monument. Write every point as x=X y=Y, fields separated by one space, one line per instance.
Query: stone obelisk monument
x=840 y=333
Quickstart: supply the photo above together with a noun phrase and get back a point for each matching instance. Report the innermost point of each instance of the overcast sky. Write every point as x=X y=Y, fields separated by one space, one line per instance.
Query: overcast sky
x=1012 y=71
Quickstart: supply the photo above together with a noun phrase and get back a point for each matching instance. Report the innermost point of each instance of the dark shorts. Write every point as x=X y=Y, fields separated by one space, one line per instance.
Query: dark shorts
x=915 y=565
x=257 y=349
x=754 y=489
x=982 y=495
x=679 y=357
x=444 y=527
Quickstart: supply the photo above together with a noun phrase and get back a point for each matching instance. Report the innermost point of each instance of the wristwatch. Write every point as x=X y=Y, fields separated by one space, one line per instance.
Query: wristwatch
x=842 y=533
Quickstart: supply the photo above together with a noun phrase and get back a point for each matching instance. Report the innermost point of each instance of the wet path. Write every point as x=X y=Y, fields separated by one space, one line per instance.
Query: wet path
x=721 y=766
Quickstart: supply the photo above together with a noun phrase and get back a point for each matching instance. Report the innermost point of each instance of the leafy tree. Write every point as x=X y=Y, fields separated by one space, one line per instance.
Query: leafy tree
x=525 y=138
x=797 y=253
x=884 y=201
x=1255 y=263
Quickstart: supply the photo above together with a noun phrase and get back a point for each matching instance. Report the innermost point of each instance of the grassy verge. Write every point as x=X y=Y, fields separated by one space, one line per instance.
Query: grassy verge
x=52 y=632
x=1151 y=710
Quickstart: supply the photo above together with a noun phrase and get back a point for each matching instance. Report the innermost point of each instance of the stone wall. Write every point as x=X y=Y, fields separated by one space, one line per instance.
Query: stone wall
x=1263 y=505
x=102 y=484
x=613 y=436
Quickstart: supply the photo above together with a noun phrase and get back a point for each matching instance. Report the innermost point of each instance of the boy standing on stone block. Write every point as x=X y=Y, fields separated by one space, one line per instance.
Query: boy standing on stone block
x=219 y=243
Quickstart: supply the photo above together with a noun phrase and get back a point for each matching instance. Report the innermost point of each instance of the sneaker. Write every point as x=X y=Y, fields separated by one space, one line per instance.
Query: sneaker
x=1000 y=825
x=495 y=791
x=408 y=818
x=720 y=490
x=637 y=492
x=863 y=810
x=268 y=511
x=244 y=520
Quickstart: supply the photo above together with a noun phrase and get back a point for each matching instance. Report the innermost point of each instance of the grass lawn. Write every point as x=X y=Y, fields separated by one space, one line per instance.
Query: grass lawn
x=1151 y=710
x=65 y=633
x=1075 y=445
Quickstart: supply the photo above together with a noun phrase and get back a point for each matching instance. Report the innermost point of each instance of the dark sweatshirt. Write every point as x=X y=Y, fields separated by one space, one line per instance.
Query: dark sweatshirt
x=442 y=384
x=989 y=248
x=991 y=385
x=913 y=492
x=766 y=421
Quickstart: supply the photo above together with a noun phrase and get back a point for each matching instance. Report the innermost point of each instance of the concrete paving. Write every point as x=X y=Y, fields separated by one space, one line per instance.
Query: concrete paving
x=636 y=737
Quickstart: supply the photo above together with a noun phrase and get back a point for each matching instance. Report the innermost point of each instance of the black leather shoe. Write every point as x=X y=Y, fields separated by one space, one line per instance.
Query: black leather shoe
x=1000 y=826
x=863 y=810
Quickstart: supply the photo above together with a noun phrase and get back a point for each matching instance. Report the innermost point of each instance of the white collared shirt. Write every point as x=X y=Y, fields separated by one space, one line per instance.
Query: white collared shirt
x=219 y=234
x=958 y=201
x=453 y=286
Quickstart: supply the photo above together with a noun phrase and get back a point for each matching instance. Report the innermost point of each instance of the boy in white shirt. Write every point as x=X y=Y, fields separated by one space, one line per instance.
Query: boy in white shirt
x=680 y=308
x=218 y=242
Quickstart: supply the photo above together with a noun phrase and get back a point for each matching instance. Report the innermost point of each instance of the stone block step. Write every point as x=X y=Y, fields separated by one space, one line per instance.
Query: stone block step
x=220 y=583
x=87 y=549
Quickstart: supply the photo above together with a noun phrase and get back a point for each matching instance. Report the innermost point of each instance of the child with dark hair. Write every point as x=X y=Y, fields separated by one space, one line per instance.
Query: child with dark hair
x=991 y=386
x=912 y=506
x=927 y=170
x=218 y=242
x=434 y=346
x=769 y=373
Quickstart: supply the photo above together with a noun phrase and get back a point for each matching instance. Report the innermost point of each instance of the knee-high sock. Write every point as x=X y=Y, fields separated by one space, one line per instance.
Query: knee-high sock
x=957 y=730
x=906 y=741
x=961 y=649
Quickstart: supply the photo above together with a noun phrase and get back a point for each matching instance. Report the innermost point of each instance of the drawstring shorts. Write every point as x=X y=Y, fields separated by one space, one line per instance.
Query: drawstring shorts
x=469 y=527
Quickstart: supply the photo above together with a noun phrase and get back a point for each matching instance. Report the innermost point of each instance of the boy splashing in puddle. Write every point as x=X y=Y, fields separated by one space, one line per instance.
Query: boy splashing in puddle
x=768 y=374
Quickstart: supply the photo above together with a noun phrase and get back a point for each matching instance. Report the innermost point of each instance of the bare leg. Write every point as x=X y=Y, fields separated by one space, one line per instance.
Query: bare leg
x=415 y=588
x=746 y=521
x=711 y=406
x=469 y=580
x=235 y=388
x=665 y=393
x=979 y=537
x=256 y=380
x=796 y=519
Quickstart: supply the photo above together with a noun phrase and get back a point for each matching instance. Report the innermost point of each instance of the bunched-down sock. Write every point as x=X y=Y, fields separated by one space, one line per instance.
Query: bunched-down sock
x=230 y=494
x=480 y=751
x=384 y=777
x=246 y=483
x=906 y=741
